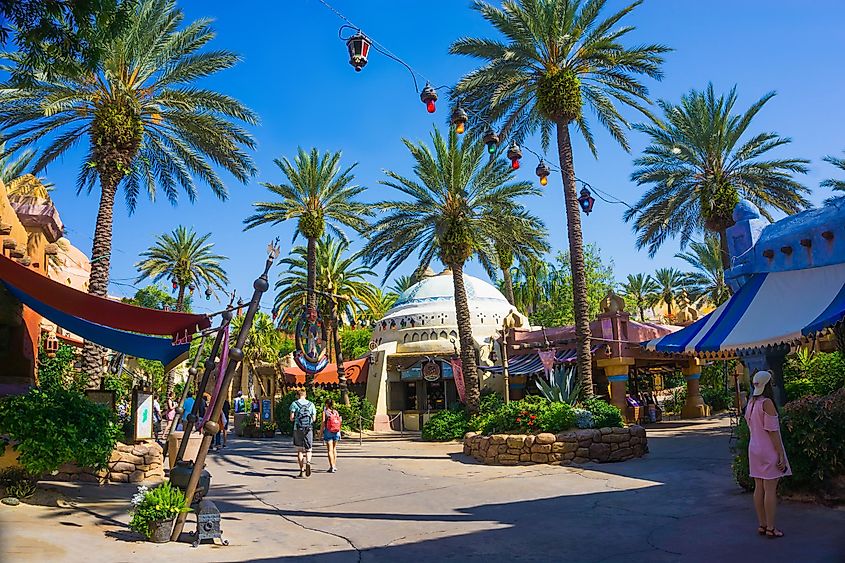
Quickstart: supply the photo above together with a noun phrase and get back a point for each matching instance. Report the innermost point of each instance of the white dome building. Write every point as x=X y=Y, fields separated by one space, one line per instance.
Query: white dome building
x=421 y=328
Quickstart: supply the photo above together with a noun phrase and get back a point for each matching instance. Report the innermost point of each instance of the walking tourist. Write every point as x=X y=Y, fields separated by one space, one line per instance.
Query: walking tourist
x=766 y=457
x=156 y=417
x=239 y=402
x=331 y=432
x=188 y=407
x=169 y=409
x=223 y=421
x=302 y=414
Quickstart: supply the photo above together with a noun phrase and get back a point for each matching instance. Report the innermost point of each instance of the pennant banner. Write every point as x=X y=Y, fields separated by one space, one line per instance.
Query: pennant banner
x=548 y=359
x=458 y=375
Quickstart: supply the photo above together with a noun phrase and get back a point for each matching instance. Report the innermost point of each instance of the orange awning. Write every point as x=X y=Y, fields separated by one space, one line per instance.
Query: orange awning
x=356 y=372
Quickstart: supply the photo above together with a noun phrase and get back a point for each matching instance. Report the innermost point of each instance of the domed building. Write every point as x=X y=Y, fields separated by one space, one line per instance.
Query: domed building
x=410 y=371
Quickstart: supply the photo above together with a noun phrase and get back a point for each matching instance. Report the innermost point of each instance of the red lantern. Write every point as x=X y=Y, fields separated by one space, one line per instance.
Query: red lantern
x=428 y=96
x=175 y=285
x=514 y=154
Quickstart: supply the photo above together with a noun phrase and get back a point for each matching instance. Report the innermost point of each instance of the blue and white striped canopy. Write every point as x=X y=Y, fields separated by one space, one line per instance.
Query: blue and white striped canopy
x=771 y=308
x=527 y=364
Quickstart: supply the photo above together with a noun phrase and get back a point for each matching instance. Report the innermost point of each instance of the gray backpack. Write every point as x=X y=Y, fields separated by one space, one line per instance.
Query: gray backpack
x=303 y=420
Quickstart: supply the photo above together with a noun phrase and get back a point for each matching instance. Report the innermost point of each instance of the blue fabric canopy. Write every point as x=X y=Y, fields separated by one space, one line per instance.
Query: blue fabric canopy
x=769 y=309
x=140 y=346
x=527 y=364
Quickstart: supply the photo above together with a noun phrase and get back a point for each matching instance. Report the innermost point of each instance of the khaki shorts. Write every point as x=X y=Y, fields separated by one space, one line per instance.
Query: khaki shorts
x=303 y=439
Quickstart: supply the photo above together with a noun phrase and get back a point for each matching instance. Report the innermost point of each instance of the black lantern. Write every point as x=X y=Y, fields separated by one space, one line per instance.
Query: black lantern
x=459 y=119
x=428 y=96
x=514 y=154
x=51 y=345
x=191 y=287
x=586 y=201
x=359 y=47
x=208 y=293
x=491 y=140
x=543 y=172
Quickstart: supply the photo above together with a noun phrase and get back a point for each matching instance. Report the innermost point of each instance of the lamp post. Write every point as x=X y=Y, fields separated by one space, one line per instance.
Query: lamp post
x=236 y=355
x=511 y=321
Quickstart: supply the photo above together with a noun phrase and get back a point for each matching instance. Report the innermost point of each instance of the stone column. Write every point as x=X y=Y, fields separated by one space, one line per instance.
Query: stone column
x=616 y=370
x=694 y=406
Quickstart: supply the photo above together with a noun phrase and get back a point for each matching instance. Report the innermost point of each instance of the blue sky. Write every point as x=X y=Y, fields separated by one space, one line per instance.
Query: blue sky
x=295 y=75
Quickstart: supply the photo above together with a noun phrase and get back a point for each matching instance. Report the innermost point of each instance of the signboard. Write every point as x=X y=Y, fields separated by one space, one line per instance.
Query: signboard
x=431 y=371
x=142 y=415
x=266 y=409
x=104 y=398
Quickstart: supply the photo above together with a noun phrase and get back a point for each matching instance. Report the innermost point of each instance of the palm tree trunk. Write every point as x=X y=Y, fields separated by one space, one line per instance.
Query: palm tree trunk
x=98 y=281
x=642 y=313
x=341 y=371
x=576 y=257
x=469 y=368
x=311 y=297
x=508 y=279
x=180 y=299
x=723 y=245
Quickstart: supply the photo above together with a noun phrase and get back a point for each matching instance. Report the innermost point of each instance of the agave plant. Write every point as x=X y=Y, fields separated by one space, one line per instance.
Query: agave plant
x=565 y=388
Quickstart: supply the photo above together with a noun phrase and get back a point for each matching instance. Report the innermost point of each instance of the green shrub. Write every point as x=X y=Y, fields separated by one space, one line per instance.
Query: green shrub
x=797 y=388
x=556 y=417
x=350 y=415
x=54 y=426
x=18 y=482
x=718 y=398
x=446 y=425
x=807 y=373
x=604 y=414
x=675 y=402
x=814 y=440
x=155 y=505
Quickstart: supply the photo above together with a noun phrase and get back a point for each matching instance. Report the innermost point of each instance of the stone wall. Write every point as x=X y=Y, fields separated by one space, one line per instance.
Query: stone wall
x=598 y=445
x=129 y=463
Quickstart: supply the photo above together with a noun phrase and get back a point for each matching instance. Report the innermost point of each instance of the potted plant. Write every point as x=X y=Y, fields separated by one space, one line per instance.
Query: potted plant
x=268 y=429
x=153 y=511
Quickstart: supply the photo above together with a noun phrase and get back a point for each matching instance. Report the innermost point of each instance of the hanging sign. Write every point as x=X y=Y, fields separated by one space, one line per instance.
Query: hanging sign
x=311 y=348
x=458 y=374
x=431 y=371
x=142 y=409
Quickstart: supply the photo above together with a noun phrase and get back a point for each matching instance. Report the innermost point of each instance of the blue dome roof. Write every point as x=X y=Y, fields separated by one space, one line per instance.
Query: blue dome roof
x=745 y=210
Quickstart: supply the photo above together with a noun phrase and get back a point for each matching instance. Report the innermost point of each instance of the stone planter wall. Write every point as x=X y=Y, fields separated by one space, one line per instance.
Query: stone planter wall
x=129 y=463
x=598 y=445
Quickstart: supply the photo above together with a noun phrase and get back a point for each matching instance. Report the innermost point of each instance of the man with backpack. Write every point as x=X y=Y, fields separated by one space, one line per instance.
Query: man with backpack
x=302 y=414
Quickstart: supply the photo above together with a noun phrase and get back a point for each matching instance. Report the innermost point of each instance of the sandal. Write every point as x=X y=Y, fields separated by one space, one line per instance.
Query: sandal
x=761 y=530
x=773 y=533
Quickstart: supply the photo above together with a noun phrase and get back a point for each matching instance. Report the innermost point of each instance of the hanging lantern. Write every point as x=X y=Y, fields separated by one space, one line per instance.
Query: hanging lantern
x=543 y=172
x=175 y=285
x=492 y=141
x=359 y=47
x=275 y=315
x=240 y=307
x=191 y=287
x=514 y=154
x=208 y=293
x=459 y=119
x=586 y=201
x=428 y=96
x=51 y=345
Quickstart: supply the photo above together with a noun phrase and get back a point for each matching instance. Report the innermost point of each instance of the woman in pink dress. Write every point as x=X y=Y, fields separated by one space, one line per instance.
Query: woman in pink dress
x=767 y=461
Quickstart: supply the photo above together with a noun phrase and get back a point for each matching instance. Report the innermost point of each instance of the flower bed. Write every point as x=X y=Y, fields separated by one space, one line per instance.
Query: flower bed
x=575 y=447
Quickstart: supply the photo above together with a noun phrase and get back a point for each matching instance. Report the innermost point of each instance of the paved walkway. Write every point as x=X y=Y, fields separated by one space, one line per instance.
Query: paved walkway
x=406 y=500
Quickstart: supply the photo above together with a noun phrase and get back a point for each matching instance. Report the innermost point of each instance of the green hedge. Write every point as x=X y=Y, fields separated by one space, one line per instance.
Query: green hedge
x=808 y=373
x=604 y=414
x=446 y=425
x=813 y=437
x=54 y=426
x=357 y=406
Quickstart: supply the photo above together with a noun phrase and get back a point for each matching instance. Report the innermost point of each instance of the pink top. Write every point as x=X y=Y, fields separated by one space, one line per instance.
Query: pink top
x=762 y=455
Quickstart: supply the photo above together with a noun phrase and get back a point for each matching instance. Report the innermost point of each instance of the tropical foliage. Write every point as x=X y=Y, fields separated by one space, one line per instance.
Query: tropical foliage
x=706 y=283
x=835 y=184
x=320 y=196
x=556 y=57
x=264 y=345
x=186 y=259
x=669 y=285
x=359 y=414
x=146 y=125
x=460 y=200
x=702 y=159
x=639 y=292
x=543 y=289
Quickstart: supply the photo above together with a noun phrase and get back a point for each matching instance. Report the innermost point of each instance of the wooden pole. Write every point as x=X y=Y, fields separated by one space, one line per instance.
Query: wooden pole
x=192 y=374
x=236 y=355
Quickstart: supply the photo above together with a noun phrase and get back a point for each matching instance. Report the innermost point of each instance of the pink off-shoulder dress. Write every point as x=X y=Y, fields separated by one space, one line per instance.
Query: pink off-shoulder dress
x=762 y=455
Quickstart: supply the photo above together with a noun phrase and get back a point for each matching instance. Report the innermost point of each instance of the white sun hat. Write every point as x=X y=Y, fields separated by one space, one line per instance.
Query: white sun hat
x=761 y=378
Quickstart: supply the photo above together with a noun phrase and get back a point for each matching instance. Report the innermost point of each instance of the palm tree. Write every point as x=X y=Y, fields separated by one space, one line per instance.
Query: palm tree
x=338 y=273
x=640 y=289
x=146 y=125
x=708 y=281
x=186 y=260
x=669 y=283
x=527 y=241
x=381 y=303
x=837 y=185
x=557 y=56
x=402 y=284
x=262 y=346
x=460 y=202
x=530 y=281
x=320 y=196
x=698 y=167
x=12 y=167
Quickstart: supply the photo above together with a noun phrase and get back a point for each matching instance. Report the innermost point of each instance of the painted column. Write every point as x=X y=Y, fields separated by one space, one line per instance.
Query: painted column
x=694 y=406
x=616 y=370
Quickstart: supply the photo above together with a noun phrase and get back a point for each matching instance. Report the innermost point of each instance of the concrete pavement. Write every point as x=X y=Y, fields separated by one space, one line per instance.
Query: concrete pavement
x=407 y=500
